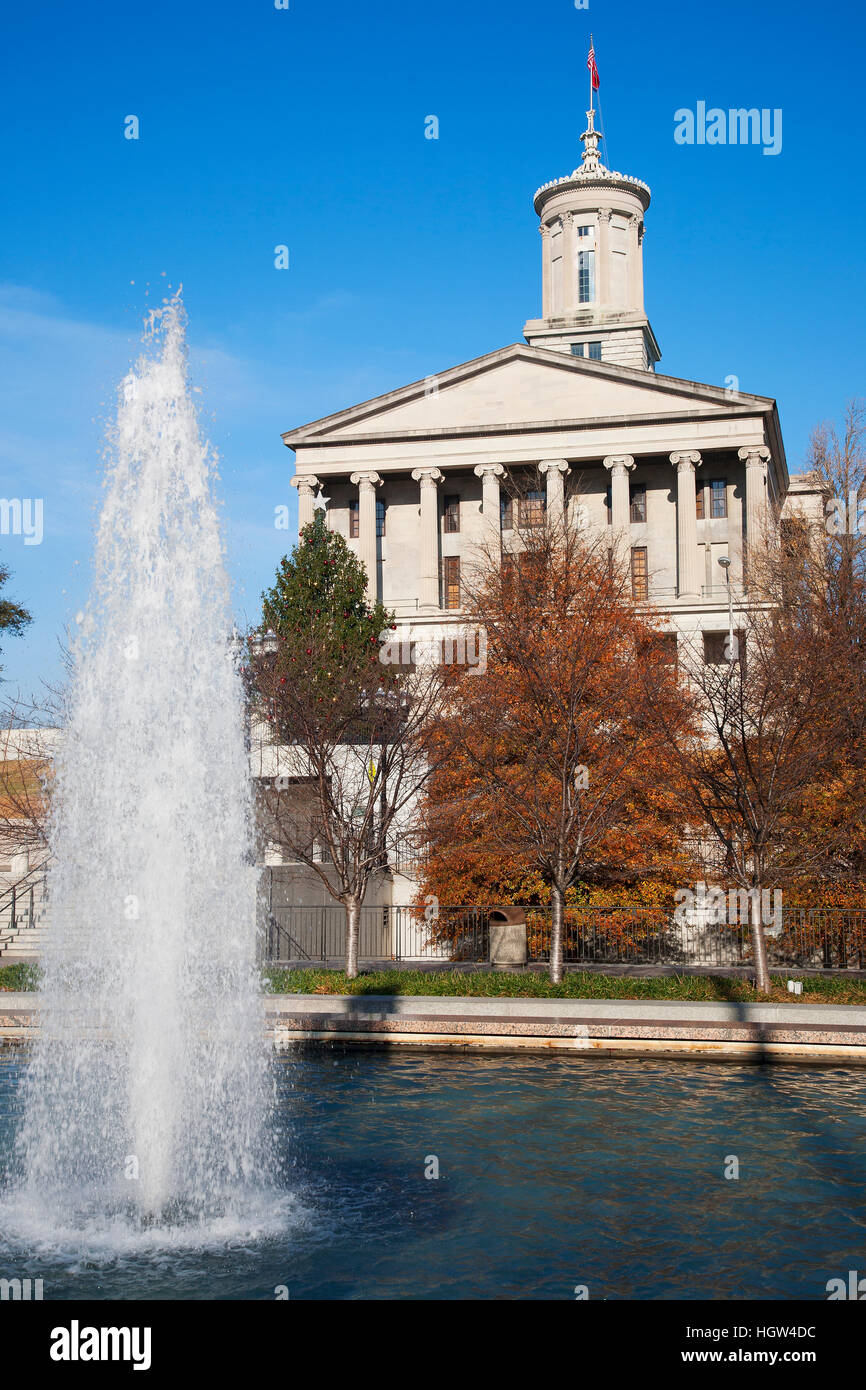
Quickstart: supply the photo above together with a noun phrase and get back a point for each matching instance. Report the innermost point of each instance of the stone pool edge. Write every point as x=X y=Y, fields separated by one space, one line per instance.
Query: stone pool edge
x=808 y=1033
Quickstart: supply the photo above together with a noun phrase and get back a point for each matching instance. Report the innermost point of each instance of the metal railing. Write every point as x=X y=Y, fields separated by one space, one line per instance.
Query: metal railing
x=815 y=938
x=18 y=909
x=385 y=934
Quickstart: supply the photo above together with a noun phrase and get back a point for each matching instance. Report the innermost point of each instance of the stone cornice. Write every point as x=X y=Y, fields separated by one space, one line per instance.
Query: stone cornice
x=599 y=422
x=581 y=182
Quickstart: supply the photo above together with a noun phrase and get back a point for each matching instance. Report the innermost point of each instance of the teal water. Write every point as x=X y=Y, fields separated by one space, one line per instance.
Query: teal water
x=553 y=1172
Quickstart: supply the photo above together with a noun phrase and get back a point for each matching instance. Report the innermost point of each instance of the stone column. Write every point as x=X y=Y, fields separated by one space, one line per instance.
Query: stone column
x=569 y=271
x=602 y=258
x=490 y=473
x=366 y=484
x=545 y=270
x=429 y=540
x=756 y=460
x=306 y=485
x=619 y=466
x=688 y=567
x=635 y=264
x=555 y=471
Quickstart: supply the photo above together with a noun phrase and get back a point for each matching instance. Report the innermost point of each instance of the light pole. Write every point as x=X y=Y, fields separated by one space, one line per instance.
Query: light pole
x=725 y=562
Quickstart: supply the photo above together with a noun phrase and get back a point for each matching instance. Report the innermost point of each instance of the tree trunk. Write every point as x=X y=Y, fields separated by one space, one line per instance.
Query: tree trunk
x=556 y=915
x=353 y=922
x=759 y=944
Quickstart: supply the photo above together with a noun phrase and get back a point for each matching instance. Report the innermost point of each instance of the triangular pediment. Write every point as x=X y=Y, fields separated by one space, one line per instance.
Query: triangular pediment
x=521 y=386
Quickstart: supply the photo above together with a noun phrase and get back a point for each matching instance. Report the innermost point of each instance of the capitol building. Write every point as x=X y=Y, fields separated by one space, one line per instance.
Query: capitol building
x=574 y=418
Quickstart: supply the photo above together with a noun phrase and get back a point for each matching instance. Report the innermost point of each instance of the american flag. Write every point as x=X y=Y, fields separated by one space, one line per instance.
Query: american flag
x=590 y=63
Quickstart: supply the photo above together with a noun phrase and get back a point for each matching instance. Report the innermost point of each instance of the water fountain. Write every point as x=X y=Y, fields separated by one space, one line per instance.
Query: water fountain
x=146 y=1101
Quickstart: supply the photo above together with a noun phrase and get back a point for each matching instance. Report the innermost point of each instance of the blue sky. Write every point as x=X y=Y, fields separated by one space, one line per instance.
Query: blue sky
x=305 y=127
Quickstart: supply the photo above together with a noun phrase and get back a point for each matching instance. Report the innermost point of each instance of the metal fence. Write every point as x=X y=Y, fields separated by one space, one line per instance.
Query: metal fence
x=820 y=938
x=385 y=934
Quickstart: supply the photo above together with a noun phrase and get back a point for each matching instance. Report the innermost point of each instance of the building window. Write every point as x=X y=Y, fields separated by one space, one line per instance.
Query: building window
x=380 y=518
x=718 y=498
x=717 y=651
x=586 y=231
x=639 y=580
x=354 y=526
x=608 y=505
x=637 y=502
x=585 y=277
x=451 y=581
x=452 y=515
x=699 y=502
x=577 y=349
x=595 y=352
x=531 y=509
x=506 y=513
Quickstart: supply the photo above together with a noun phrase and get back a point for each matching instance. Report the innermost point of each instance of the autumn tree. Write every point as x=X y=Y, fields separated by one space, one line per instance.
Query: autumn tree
x=763 y=732
x=23 y=762
x=820 y=568
x=558 y=762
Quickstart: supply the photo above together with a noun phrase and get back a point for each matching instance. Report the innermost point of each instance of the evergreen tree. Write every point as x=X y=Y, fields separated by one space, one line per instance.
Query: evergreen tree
x=13 y=618
x=328 y=632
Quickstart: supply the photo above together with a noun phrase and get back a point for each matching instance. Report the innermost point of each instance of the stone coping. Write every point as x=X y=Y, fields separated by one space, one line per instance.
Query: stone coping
x=563 y=1010
x=817 y=1033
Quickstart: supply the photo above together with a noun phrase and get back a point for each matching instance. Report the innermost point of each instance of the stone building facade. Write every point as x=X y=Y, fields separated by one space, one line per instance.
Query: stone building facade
x=683 y=474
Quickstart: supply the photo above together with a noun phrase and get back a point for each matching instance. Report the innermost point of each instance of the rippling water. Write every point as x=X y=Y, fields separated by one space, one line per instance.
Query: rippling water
x=554 y=1172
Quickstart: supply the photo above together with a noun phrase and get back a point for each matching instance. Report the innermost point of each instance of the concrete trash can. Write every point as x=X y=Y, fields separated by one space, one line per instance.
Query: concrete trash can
x=507 y=937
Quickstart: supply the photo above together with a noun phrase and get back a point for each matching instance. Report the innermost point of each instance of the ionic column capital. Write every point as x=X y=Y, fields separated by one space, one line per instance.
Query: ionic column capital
x=754 y=457
x=488 y=470
x=544 y=229
x=365 y=479
x=618 y=463
x=603 y=214
x=553 y=466
x=427 y=477
x=685 y=462
x=306 y=483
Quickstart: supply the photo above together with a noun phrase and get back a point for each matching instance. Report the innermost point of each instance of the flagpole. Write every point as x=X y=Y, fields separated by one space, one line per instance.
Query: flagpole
x=592 y=50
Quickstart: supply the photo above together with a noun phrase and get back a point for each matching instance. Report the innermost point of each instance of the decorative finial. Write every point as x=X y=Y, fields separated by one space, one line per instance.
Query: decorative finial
x=590 y=137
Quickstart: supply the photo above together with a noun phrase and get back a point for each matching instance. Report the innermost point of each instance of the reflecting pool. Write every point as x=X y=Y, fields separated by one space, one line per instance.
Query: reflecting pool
x=553 y=1172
